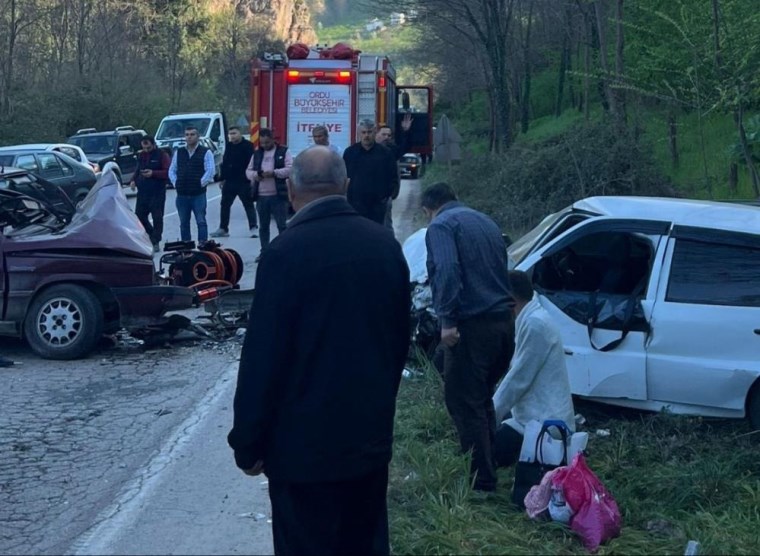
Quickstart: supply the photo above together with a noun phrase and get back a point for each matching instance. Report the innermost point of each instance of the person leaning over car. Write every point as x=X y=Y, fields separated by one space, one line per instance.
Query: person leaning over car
x=536 y=386
x=467 y=266
x=191 y=172
x=150 y=180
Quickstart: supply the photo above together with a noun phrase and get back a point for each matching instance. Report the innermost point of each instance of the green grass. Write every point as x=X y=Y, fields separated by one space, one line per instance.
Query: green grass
x=719 y=134
x=550 y=126
x=675 y=479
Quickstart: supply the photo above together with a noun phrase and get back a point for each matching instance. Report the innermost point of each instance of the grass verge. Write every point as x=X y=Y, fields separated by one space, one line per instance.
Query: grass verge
x=675 y=478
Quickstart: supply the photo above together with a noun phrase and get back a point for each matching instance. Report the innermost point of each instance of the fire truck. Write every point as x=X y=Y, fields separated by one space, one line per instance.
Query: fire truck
x=292 y=96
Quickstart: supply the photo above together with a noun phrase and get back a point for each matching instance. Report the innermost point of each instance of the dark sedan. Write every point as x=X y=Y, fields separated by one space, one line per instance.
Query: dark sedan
x=410 y=166
x=74 y=178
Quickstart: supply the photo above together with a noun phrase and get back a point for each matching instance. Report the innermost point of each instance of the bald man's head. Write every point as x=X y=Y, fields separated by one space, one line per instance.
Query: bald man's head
x=316 y=172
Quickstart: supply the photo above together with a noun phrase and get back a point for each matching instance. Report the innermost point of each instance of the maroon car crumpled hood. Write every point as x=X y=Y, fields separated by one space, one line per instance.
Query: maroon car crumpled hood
x=103 y=220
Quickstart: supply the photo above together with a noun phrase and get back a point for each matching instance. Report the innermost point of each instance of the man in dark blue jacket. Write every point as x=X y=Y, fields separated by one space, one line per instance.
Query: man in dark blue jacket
x=320 y=368
x=472 y=297
x=235 y=184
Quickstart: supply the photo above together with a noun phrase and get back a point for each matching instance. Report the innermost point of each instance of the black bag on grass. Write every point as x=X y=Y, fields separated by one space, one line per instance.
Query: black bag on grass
x=529 y=473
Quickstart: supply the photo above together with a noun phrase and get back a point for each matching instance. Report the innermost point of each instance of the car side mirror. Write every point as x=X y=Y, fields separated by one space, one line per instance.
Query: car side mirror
x=125 y=150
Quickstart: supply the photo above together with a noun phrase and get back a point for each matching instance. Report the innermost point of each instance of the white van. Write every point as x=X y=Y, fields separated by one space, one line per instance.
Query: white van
x=212 y=129
x=658 y=301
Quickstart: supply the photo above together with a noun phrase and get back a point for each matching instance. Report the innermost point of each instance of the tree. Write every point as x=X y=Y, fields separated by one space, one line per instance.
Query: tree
x=487 y=26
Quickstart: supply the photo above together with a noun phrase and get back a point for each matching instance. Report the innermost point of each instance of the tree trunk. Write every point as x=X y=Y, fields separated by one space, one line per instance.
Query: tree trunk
x=746 y=151
x=563 y=66
x=619 y=92
x=733 y=177
x=673 y=139
x=600 y=7
x=8 y=66
x=586 y=67
x=561 y=78
x=716 y=34
x=525 y=104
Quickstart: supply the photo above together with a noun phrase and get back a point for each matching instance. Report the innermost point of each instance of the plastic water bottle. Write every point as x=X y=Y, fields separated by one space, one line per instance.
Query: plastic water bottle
x=558 y=508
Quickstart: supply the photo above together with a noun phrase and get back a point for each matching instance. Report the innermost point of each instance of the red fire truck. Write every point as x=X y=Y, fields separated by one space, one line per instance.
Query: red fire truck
x=292 y=96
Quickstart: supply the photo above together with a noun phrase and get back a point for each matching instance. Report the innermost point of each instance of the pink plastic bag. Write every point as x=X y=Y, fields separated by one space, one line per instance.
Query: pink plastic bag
x=597 y=516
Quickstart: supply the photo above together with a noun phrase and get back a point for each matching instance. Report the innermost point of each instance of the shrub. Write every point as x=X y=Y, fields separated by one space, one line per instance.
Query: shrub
x=522 y=186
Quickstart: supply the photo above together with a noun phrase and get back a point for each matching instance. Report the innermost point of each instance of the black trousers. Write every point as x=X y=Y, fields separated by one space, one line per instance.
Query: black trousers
x=347 y=517
x=151 y=203
x=471 y=371
x=508 y=445
x=271 y=206
x=232 y=191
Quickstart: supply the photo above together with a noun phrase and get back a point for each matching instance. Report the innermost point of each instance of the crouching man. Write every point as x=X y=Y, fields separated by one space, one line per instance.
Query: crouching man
x=536 y=386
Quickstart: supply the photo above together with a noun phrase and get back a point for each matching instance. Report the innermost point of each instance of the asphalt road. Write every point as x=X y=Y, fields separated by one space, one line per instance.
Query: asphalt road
x=125 y=451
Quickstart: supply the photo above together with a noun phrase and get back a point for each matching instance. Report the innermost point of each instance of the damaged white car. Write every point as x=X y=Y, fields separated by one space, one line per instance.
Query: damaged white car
x=658 y=301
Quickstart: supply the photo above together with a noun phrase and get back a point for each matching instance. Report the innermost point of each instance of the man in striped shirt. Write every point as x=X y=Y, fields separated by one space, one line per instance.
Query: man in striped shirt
x=467 y=265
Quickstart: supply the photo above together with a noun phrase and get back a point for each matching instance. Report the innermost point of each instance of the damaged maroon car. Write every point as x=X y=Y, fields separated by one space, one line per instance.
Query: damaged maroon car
x=71 y=274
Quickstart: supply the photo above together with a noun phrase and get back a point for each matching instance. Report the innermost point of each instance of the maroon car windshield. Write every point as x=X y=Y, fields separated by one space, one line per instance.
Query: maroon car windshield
x=103 y=220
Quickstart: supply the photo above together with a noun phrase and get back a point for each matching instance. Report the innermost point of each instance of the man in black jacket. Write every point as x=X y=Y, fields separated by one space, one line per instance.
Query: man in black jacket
x=235 y=184
x=320 y=368
x=150 y=181
x=384 y=136
x=373 y=173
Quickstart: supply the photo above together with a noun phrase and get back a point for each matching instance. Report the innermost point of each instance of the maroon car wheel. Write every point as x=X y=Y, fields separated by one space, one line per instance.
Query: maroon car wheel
x=64 y=322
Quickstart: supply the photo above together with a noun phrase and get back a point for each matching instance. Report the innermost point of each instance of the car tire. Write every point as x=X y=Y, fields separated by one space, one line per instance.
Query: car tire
x=414 y=174
x=63 y=322
x=753 y=406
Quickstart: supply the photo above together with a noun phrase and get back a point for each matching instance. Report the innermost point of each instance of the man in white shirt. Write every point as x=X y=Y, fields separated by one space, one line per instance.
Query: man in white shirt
x=536 y=386
x=191 y=171
x=321 y=136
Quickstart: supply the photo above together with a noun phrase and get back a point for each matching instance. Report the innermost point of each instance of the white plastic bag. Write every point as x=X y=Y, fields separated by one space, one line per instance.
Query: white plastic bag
x=551 y=447
x=415 y=253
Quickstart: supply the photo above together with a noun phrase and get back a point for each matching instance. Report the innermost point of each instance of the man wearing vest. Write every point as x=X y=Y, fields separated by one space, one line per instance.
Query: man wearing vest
x=191 y=171
x=150 y=180
x=268 y=171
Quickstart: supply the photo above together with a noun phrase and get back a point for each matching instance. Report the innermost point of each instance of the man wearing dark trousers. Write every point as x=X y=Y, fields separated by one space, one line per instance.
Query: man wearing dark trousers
x=373 y=172
x=384 y=136
x=467 y=265
x=268 y=171
x=320 y=368
x=235 y=184
x=191 y=171
x=150 y=179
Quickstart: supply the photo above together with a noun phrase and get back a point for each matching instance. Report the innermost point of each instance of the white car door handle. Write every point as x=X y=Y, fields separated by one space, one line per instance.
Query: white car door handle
x=568 y=351
x=757 y=331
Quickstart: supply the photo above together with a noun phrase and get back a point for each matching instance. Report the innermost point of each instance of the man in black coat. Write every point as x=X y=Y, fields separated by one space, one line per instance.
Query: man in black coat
x=320 y=368
x=235 y=184
x=373 y=172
